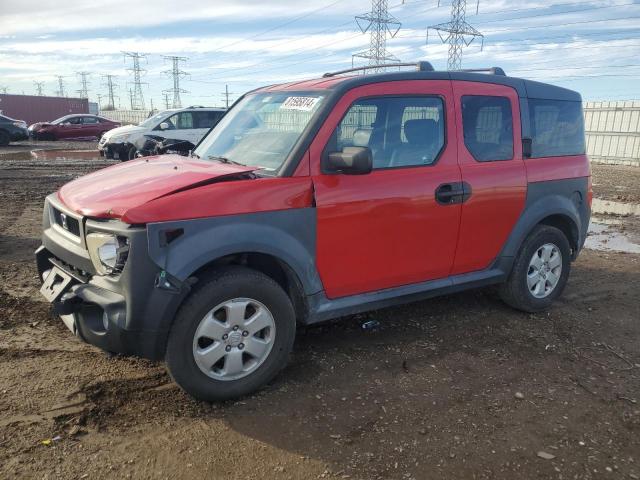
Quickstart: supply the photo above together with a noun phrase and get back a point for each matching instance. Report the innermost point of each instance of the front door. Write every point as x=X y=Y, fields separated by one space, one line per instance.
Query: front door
x=386 y=228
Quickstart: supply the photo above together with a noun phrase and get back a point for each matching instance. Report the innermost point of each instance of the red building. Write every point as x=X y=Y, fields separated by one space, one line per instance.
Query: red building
x=32 y=108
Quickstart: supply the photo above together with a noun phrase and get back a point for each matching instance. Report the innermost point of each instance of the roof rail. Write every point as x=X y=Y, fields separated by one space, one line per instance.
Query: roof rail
x=492 y=70
x=422 y=66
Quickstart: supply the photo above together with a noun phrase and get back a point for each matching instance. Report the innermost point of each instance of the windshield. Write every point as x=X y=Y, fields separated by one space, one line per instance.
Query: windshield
x=261 y=129
x=153 y=121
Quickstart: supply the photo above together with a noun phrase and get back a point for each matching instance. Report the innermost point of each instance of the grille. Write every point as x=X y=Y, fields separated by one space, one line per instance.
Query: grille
x=68 y=223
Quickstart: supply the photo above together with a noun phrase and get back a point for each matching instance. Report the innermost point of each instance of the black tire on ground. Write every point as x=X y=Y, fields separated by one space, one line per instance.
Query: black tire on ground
x=515 y=291
x=4 y=138
x=212 y=290
x=131 y=153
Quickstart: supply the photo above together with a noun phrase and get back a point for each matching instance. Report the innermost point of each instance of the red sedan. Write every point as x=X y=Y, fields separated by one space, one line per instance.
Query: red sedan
x=72 y=126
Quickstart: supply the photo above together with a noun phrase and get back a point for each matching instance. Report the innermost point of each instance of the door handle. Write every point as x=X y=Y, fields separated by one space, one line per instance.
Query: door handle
x=453 y=193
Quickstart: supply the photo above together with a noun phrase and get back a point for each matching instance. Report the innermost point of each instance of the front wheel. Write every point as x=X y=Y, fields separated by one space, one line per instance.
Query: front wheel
x=540 y=271
x=233 y=334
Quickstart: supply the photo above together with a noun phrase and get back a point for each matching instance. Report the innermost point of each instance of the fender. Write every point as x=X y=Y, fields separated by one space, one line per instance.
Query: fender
x=289 y=235
x=567 y=198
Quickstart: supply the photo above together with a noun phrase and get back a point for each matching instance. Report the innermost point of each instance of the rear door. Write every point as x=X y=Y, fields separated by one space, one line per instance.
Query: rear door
x=386 y=228
x=490 y=157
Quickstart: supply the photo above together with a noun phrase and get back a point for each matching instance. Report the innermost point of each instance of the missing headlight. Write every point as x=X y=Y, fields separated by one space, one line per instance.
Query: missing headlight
x=108 y=252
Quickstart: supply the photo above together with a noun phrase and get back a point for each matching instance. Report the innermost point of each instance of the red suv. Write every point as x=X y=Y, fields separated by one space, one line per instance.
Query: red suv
x=72 y=126
x=318 y=199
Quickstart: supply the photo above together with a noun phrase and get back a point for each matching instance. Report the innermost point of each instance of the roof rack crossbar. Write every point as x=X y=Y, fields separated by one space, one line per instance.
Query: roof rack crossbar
x=492 y=70
x=420 y=66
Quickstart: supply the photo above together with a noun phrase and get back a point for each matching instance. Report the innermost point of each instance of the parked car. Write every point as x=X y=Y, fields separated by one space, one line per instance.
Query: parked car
x=12 y=130
x=72 y=126
x=186 y=124
x=319 y=199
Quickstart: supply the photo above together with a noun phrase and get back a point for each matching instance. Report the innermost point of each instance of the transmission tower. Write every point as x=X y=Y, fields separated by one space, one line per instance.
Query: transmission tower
x=176 y=74
x=111 y=98
x=84 y=91
x=457 y=33
x=61 y=92
x=380 y=23
x=137 y=99
x=39 y=86
x=226 y=95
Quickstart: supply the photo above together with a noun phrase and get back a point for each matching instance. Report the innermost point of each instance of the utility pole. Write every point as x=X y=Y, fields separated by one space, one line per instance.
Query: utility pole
x=39 y=87
x=137 y=99
x=457 y=33
x=166 y=100
x=227 y=94
x=61 y=92
x=111 y=98
x=176 y=74
x=380 y=23
x=131 y=99
x=84 y=91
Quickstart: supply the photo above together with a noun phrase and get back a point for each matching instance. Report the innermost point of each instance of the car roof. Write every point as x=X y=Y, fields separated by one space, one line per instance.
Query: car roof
x=341 y=83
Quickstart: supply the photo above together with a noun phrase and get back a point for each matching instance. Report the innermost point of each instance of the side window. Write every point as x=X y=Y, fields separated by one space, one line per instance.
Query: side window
x=557 y=128
x=400 y=131
x=183 y=120
x=487 y=127
x=205 y=119
x=89 y=120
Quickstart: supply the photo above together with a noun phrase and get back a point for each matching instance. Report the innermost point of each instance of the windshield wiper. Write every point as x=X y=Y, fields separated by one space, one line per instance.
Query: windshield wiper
x=224 y=160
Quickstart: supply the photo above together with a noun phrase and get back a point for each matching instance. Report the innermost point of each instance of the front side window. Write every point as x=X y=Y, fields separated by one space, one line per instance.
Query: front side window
x=399 y=131
x=180 y=121
x=261 y=129
x=487 y=127
x=557 y=128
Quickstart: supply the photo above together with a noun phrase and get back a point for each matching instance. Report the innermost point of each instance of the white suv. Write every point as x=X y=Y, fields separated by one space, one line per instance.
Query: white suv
x=190 y=124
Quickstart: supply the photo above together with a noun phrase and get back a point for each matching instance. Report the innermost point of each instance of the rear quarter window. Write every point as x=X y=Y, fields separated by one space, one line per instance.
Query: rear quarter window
x=557 y=128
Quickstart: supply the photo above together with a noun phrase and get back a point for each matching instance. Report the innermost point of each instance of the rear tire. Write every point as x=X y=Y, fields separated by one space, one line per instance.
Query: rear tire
x=540 y=271
x=211 y=359
x=4 y=138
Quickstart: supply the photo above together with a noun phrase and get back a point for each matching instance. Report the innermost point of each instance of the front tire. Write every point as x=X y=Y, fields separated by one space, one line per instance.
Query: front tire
x=540 y=271
x=232 y=335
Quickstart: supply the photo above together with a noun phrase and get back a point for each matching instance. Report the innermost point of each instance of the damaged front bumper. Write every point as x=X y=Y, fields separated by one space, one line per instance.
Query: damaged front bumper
x=129 y=312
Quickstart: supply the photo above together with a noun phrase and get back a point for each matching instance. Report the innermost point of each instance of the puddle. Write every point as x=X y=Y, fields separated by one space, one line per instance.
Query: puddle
x=605 y=237
x=614 y=208
x=49 y=155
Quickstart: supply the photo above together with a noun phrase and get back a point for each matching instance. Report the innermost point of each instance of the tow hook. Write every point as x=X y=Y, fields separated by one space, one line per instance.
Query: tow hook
x=69 y=303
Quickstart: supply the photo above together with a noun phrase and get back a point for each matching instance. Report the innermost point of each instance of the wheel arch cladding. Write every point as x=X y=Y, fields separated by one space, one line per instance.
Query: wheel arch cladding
x=558 y=203
x=288 y=236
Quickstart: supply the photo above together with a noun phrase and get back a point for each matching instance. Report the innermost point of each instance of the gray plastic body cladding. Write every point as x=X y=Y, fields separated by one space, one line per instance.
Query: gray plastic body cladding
x=552 y=197
x=289 y=235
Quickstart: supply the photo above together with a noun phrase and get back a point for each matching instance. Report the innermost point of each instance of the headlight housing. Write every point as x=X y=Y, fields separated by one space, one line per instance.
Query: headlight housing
x=120 y=138
x=108 y=252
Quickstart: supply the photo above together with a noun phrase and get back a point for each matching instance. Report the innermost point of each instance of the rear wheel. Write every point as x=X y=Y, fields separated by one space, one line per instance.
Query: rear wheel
x=4 y=138
x=231 y=336
x=540 y=271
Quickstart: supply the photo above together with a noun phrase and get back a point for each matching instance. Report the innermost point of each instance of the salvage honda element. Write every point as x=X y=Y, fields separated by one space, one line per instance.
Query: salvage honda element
x=314 y=200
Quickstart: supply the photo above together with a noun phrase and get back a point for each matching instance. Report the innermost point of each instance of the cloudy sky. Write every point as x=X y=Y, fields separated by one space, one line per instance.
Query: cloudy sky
x=589 y=46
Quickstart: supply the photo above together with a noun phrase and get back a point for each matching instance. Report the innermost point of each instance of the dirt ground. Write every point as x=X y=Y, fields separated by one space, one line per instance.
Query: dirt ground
x=456 y=387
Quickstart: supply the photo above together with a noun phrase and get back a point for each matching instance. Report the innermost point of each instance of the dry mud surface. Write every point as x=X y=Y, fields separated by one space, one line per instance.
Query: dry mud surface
x=456 y=387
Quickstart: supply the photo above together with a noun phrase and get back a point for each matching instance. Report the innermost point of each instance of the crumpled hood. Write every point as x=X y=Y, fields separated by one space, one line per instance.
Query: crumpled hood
x=38 y=125
x=110 y=192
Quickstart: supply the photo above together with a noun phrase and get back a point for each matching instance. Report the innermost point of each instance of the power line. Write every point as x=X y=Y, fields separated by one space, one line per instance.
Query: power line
x=226 y=95
x=61 y=92
x=136 y=97
x=379 y=22
x=176 y=74
x=39 y=87
x=459 y=33
x=84 y=91
x=110 y=84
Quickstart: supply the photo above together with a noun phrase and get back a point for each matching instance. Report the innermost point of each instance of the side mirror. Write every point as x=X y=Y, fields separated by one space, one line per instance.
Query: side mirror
x=527 y=147
x=351 y=160
x=164 y=126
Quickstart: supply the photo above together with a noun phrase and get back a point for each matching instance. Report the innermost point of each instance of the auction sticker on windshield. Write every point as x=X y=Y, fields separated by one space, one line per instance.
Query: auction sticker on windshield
x=304 y=104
